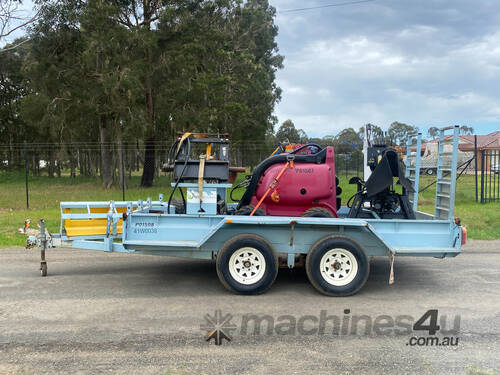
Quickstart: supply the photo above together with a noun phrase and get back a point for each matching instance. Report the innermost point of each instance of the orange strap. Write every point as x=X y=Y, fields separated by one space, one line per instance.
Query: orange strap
x=272 y=186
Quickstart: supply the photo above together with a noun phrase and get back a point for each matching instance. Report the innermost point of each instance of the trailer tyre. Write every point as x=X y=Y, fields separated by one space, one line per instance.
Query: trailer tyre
x=337 y=266
x=247 y=210
x=247 y=264
x=43 y=269
x=317 y=212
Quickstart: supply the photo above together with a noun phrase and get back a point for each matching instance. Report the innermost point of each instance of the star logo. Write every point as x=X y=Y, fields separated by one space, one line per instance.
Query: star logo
x=218 y=327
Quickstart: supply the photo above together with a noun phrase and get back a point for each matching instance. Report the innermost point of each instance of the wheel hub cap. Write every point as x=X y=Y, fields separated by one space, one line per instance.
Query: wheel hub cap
x=338 y=267
x=247 y=265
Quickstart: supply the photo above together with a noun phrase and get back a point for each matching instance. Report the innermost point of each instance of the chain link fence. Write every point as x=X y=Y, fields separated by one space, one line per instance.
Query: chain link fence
x=122 y=165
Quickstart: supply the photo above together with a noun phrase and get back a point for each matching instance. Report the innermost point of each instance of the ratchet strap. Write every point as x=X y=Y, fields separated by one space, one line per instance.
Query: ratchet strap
x=391 y=275
x=273 y=185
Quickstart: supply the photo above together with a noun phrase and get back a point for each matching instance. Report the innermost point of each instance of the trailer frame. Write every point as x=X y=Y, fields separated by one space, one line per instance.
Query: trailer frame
x=147 y=227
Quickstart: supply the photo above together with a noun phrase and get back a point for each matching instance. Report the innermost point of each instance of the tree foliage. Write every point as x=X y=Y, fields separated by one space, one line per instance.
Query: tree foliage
x=398 y=133
x=121 y=71
x=287 y=132
x=466 y=130
x=345 y=140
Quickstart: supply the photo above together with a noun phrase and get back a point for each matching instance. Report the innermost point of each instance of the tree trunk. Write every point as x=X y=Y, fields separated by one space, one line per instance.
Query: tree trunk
x=137 y=156
x=121 y=162
x=106 y=153
x=85 y=167
x=148 y=172
x=50 y=164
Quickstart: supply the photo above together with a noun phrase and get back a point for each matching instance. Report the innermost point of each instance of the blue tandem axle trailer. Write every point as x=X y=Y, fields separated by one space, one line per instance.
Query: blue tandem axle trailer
x=249 y=250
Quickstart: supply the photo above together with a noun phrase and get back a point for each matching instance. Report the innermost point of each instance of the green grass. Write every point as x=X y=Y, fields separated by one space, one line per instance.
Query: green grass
x=45 y=194
x=482 y=220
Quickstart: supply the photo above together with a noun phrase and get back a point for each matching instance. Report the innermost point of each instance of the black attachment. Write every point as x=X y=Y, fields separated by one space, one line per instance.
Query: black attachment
x=383 y=174
x=378 y=191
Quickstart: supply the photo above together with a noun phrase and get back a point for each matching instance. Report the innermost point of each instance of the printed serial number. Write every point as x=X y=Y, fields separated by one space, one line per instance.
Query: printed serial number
x=144 y=224
x=146 y=230
x=304 y=170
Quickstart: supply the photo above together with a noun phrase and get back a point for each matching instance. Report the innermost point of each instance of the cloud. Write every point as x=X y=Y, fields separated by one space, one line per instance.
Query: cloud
x=423 y=63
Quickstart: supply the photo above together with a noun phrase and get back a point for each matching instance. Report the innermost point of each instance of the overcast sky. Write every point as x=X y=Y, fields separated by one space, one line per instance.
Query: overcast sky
x=425 y=63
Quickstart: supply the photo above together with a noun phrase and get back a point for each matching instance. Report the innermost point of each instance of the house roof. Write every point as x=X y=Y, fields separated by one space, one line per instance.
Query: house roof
x=484 y=142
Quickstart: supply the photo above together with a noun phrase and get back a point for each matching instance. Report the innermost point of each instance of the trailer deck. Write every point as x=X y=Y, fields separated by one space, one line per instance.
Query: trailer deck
x=165 y=234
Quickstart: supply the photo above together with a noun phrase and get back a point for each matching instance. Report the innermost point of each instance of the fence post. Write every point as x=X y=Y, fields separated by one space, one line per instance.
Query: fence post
x=482 y=176
x=488 y=169
x=475 y=161
x=26 y=172
x=357 y=164
x=497 y=165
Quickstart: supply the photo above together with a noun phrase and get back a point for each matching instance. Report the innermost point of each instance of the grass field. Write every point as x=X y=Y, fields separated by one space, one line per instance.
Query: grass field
x=482 y=220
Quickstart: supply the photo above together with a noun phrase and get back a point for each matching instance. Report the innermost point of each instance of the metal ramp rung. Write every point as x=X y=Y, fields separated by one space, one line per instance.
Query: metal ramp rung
x=442 y=208
x=444 y=182
x=440 y=195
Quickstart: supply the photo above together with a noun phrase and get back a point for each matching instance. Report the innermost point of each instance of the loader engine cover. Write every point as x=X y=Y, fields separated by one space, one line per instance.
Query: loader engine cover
x=309 y=183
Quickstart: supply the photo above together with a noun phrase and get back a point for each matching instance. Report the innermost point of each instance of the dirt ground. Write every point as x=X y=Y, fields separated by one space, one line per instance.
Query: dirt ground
x=138 y=314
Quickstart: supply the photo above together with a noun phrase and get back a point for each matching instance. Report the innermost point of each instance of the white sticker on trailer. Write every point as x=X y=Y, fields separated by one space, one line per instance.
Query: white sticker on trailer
x=209 y=196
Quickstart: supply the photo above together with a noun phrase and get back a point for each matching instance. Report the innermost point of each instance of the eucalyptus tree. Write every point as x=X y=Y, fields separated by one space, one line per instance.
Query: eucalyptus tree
x=221 y=62
x=79 y=70
x=109 y=71
x=398 y=133
x=12 y=92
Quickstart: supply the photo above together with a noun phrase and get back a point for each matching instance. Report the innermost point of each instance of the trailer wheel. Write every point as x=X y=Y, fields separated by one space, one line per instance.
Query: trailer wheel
x=43 y=269
x=337 y=266
x=247 y=264
x=247 y=210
